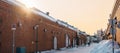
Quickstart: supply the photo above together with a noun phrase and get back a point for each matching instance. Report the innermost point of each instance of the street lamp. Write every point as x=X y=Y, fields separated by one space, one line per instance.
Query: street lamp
x=36 y=34
x=13 y=28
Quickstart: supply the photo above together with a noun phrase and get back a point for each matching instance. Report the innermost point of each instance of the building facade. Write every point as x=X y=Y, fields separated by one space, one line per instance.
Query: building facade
x=31 y=29
x=115 y=15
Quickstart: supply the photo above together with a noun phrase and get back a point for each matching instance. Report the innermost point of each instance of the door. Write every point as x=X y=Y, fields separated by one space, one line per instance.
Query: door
x=67 y=41
x=55 y=43
x=73 y=42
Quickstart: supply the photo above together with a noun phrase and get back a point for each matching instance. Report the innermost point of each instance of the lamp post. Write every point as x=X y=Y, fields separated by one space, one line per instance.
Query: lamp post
x=36 y=35
x=13 y=37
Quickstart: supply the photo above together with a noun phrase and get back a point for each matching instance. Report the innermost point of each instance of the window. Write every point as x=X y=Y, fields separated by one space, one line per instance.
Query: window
x=52 y=32
x=40 y=20
x=45 y=30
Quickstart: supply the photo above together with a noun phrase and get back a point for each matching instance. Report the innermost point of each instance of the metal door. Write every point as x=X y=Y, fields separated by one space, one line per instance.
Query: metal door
x=55 y=43
x=73 y=42
x=67 y=41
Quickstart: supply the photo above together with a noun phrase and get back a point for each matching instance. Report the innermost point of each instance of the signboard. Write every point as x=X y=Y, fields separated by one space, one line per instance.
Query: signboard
x=113 y=26
x=13 y=27
x=112 y=22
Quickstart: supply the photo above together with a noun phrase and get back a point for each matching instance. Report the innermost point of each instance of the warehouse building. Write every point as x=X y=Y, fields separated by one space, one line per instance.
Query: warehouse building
x=31 y=30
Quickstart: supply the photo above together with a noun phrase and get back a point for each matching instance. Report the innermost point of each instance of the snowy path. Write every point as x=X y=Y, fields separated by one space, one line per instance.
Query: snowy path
x=81 y=49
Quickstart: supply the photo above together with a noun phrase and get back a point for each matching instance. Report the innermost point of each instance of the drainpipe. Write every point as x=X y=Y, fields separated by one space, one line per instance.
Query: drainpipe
x=36 y=35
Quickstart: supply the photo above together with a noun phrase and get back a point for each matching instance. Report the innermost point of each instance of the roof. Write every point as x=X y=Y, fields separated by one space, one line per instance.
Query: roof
x=37 y=11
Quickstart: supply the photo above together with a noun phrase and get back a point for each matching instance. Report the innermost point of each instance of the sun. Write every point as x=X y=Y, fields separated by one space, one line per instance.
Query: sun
x=28 y=3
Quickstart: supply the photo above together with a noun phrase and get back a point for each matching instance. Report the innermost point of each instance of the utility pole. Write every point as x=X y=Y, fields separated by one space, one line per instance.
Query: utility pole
x=112 y=36
x=113 y=31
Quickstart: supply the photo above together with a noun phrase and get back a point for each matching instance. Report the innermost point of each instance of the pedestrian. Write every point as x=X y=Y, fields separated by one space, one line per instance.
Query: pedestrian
x=88 y=43
x=77 y=41
x=88 y=40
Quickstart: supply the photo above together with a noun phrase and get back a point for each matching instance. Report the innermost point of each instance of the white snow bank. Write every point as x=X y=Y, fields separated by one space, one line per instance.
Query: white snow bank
x=105 y=46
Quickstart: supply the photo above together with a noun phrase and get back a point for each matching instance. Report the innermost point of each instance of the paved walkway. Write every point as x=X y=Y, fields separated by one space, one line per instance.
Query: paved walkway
x=81 y=49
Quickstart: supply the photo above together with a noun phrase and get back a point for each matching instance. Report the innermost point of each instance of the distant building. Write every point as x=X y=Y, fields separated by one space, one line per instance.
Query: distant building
x=82 y=37
x=100 y=34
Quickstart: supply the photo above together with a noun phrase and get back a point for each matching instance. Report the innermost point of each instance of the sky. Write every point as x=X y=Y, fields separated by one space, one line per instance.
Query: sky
x=86 y=15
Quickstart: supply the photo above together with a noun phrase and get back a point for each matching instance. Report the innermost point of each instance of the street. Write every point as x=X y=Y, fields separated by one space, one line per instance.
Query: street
x=59 y=26
x=80 y=49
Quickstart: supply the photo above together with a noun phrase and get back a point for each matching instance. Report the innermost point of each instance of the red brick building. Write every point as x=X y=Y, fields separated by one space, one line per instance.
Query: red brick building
x=82 y=38
x=31 y=29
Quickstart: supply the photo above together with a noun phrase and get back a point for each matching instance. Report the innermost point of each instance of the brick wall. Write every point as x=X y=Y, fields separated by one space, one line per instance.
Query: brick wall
x=25 y=20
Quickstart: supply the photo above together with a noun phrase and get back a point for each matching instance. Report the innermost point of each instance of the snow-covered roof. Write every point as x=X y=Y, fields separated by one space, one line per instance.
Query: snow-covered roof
x=66 y=25
x=62 y=23
x=82 y=32
x=36 y=11
x=13 y=2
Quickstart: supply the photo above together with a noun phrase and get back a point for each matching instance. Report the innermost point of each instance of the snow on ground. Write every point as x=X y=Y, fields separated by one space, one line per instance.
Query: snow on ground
x=105 y=46
x=81 y=49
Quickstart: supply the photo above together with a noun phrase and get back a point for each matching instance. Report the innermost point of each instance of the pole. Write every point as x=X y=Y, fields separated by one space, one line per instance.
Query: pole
x=13 y=38
x=113 y=36
x=113 y=44
x=36 y=39
x=13 y=43
x=36 y=34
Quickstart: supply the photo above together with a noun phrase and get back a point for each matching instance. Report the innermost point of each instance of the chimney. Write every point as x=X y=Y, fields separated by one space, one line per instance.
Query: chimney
x=47 y=13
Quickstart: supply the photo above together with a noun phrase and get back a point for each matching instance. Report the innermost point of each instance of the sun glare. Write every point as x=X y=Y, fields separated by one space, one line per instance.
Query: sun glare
x=28 y=3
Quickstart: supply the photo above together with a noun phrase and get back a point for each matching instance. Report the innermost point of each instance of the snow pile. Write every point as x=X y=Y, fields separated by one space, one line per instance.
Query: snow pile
x=105 y=46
